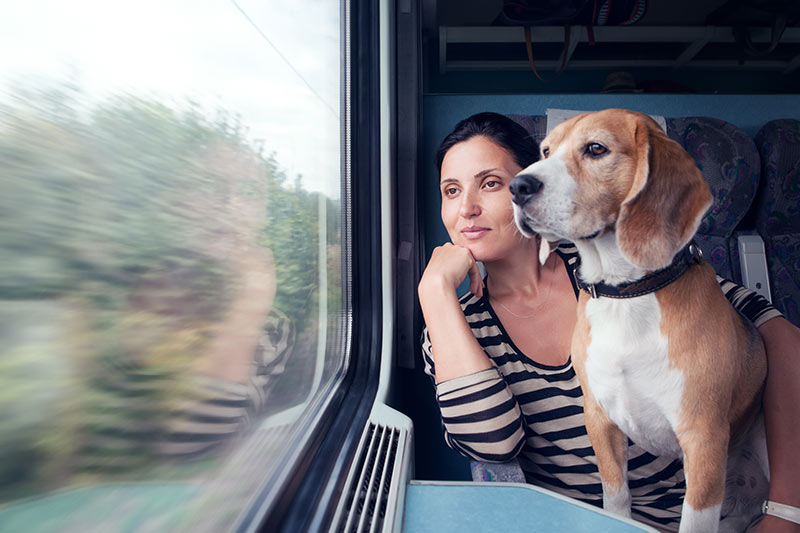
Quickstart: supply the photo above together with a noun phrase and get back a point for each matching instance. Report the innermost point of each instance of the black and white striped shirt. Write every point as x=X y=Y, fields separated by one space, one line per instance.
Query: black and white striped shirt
x=130 y=423
x=534 y=412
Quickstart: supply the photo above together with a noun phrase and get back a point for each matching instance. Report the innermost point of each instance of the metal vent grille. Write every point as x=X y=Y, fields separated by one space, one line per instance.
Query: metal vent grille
x=369 y=492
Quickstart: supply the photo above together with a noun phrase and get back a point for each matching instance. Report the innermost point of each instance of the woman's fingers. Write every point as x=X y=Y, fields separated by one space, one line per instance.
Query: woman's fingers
x=454 y=263
x=475 y=280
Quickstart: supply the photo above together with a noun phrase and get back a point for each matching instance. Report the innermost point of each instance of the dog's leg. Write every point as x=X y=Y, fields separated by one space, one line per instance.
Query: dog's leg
x=611 y=448
x=705 y=453
x=746 y=480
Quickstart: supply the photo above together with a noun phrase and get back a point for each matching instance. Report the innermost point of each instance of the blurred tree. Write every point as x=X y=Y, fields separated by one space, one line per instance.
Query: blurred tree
x=132 y=225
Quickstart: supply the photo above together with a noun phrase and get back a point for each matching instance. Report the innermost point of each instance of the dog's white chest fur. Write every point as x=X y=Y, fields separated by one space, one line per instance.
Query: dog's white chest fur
x=629 y=373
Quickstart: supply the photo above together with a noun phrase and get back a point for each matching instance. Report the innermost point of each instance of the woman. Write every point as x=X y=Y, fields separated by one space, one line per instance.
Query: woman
x=500 y=355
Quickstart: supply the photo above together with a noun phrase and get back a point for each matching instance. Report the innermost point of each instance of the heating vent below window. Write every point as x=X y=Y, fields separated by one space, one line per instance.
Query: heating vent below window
x=377 y=482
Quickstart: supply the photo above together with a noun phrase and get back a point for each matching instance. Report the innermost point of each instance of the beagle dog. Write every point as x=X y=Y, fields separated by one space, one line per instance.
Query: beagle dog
x=661 y=355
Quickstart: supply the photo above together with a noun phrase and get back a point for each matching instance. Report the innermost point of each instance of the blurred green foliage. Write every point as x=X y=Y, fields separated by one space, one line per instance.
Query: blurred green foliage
x=294 y=219
x=120 y=223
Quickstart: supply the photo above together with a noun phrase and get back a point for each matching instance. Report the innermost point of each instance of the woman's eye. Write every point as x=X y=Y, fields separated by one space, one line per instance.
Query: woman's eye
x=450 y=191
x=546 y=152
x=596 y=149
x=492 y=184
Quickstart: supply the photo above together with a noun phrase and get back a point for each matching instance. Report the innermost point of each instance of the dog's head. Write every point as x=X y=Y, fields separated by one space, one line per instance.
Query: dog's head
x=613 y=171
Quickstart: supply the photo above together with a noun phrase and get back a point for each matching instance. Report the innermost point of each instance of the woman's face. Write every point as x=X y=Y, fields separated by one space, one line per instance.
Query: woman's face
x=476 y=201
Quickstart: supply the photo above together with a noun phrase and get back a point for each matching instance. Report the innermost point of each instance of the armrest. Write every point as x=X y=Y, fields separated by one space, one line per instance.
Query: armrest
x=753 y=260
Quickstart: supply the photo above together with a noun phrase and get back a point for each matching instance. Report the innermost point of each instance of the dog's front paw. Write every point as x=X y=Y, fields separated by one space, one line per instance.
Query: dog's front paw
x=617 y=501
x=699 y=520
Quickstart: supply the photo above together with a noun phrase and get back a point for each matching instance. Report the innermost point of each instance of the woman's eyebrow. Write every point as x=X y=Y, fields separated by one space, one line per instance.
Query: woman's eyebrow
x=485 y=172
x=477 y=175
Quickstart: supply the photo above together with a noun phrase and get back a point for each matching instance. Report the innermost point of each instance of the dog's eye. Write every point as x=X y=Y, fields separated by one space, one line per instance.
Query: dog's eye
x=545 y=152
x=596 y=149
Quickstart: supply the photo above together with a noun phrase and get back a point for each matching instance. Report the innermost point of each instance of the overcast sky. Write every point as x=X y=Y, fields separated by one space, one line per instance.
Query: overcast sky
x=206 y=50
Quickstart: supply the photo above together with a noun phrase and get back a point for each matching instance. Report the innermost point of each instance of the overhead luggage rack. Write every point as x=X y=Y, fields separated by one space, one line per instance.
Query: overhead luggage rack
x=493 y=48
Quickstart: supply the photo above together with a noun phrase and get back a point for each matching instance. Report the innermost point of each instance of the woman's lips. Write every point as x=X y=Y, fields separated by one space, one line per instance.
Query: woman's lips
x=474 y=232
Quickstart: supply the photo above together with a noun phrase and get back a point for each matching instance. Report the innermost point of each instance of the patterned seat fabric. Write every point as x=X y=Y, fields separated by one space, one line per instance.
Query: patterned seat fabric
x=509 y=472
x=729 y=162
x=535 y=124
x=777 y=211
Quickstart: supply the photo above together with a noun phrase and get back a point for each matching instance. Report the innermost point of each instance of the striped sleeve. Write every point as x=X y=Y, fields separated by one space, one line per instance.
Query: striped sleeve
x=480 y=416
x=427 y=354
x=750 y=304
x=219 y=409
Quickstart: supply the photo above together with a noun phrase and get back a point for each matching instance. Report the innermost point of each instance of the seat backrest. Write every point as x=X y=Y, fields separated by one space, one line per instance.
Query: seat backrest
x=535 y=124
x=729 y=162
x=777 y=211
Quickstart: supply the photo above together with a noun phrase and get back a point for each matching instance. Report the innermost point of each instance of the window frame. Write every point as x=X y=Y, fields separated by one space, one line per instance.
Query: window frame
x=307 y=500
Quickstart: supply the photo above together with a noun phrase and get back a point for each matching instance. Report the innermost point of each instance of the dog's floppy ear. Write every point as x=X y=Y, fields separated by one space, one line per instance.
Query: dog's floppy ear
x=666 y=202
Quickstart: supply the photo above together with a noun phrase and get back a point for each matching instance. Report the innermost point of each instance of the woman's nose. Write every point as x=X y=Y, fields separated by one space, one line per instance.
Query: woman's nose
x=469 y=205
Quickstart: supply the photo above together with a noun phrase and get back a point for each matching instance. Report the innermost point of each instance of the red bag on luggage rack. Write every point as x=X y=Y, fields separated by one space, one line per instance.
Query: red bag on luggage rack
x=568 y=13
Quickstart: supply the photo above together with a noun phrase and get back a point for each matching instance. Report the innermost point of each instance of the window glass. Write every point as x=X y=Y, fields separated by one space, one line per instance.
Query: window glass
x=172 y=308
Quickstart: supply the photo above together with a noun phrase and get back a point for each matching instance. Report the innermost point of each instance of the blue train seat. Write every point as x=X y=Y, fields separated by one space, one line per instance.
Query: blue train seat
x=777 y=211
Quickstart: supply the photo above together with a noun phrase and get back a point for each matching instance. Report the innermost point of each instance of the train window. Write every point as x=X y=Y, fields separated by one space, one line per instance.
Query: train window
x=173 y=309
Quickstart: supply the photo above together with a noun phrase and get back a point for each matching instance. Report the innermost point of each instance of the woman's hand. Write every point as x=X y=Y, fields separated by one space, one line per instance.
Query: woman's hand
x=448 y=267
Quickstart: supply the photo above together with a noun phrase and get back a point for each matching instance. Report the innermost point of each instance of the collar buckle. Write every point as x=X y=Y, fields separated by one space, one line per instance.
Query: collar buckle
x=695 y=252
x=592 y=290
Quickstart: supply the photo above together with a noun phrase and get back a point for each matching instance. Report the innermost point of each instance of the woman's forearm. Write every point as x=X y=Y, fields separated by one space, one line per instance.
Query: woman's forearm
x=782 y=409
x=469 y=388
x=456 y=351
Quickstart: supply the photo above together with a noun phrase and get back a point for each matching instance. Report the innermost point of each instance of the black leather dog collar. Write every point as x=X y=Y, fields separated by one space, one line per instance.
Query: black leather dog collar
x=650 y=283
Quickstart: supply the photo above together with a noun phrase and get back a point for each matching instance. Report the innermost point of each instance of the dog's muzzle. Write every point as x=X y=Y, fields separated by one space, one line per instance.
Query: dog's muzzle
x=524 y=187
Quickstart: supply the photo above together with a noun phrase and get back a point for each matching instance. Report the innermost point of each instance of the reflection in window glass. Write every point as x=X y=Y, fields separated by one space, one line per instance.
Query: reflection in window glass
x=171 y=296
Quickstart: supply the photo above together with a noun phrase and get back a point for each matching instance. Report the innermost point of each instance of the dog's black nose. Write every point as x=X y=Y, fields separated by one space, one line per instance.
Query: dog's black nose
x=523 y=187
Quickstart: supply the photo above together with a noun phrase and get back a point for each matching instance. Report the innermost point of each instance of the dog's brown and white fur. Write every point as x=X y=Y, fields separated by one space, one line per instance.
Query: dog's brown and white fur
x=677 y=370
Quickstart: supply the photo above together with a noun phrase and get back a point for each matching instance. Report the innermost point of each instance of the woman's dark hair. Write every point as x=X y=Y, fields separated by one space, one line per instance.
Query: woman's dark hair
x=498 y=128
